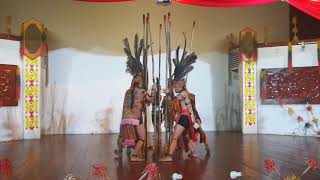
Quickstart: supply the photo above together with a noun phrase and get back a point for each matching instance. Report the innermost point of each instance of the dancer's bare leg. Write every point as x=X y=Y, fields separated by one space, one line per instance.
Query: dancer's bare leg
x=120 y=147
x=139 y=145
x=176 y=134
x=192 y=148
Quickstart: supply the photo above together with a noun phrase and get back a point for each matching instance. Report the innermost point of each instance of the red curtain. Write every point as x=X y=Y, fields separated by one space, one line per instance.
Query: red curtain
x=225 y=3
x=104 y=0
x=311 y=7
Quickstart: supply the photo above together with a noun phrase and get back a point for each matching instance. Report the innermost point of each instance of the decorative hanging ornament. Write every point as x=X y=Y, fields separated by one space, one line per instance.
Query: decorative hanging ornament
x=290 y=111
x=300 y=119
x=309 y=108
x=281 y=102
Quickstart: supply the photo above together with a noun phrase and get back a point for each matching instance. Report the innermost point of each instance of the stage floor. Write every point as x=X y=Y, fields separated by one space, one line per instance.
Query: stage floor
x=55 y=156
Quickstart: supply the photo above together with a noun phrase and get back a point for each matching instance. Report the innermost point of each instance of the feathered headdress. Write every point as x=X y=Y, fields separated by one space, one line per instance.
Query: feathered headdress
x=183 y=66
x=134 y=65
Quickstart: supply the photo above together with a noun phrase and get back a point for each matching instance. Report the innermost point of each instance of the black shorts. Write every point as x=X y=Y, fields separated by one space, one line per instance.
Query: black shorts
x=184 y=121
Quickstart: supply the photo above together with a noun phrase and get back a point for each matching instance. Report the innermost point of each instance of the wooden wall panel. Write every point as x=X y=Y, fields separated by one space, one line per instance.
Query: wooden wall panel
x=308 y=26
x=8 y=85
x=298 y=87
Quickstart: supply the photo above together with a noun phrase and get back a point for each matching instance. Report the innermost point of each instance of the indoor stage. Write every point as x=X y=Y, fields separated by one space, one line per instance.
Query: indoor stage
x=55 y=156
x=195 y=89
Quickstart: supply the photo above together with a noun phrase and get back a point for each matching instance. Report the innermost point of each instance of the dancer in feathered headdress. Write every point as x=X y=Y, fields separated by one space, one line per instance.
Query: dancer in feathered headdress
x=132 y=131
x=184 y=113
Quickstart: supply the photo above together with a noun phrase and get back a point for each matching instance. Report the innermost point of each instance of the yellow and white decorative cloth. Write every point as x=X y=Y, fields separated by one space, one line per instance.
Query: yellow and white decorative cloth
x=249 y=97
x=32 y=87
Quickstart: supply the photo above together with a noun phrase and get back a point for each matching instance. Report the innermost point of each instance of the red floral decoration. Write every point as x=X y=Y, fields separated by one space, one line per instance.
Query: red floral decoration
x=152 y=170
x=281 y=102
x=313 y=164
x=309 y=108
x=99 y=170
x=270 y=166
x=300 y=119
x=5 y=167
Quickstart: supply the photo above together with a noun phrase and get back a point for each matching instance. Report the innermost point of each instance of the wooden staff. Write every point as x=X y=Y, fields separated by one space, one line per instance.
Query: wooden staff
x=170 y=73
x=160 y=51
x=192 y=33
x=159 y=95
x=167 y=83
x=145 y=68
x=151 y=43
x=166 y=36
x=155 y=103
x=191 y=41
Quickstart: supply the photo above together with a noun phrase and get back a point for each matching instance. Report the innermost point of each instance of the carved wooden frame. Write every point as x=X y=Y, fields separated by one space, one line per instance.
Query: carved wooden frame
x=11 y=97
x=295 y=91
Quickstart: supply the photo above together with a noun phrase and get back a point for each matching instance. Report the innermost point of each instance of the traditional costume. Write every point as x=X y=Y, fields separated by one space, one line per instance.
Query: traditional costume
x=183 y=107
x=135 y=98
x=199 y=130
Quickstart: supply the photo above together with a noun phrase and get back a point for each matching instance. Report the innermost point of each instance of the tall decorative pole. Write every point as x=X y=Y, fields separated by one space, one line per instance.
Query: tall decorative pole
x=247 y=76
x=145 y=74
x=33 y=50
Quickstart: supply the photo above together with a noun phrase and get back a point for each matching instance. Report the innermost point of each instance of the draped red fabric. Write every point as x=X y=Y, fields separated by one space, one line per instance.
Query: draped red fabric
x=225 y=3
x=311 y=7
x=104 y=0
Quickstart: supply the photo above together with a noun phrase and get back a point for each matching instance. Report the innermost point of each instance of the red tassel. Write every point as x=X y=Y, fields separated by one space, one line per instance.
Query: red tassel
x=21 y=51
x=281 y=102
x=18 y=83
x=241 y=56
x=204 y=138
x=255 y=56
x=262 y=94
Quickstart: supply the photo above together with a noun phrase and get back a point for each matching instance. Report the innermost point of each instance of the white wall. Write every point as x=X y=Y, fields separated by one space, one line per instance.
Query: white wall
x=272 y=119
x=87 y=63
x=86 y=90
x=11 y=118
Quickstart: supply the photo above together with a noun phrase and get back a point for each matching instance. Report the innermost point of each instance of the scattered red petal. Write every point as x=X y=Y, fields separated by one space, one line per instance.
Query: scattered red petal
x=270 y=166
x=309 y=108
x=300 y=119
x=152 y=170
x=312 y=163
x=99 y=170
x=5 y=167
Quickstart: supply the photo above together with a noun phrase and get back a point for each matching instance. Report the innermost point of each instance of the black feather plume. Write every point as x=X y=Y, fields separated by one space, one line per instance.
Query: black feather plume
x=176 y=60
x=133 y=63
x=136 y=41
x=184 y=67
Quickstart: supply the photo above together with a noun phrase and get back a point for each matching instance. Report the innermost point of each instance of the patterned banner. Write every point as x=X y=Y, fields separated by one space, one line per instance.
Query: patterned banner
x=249 y=93
x=32 y=85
